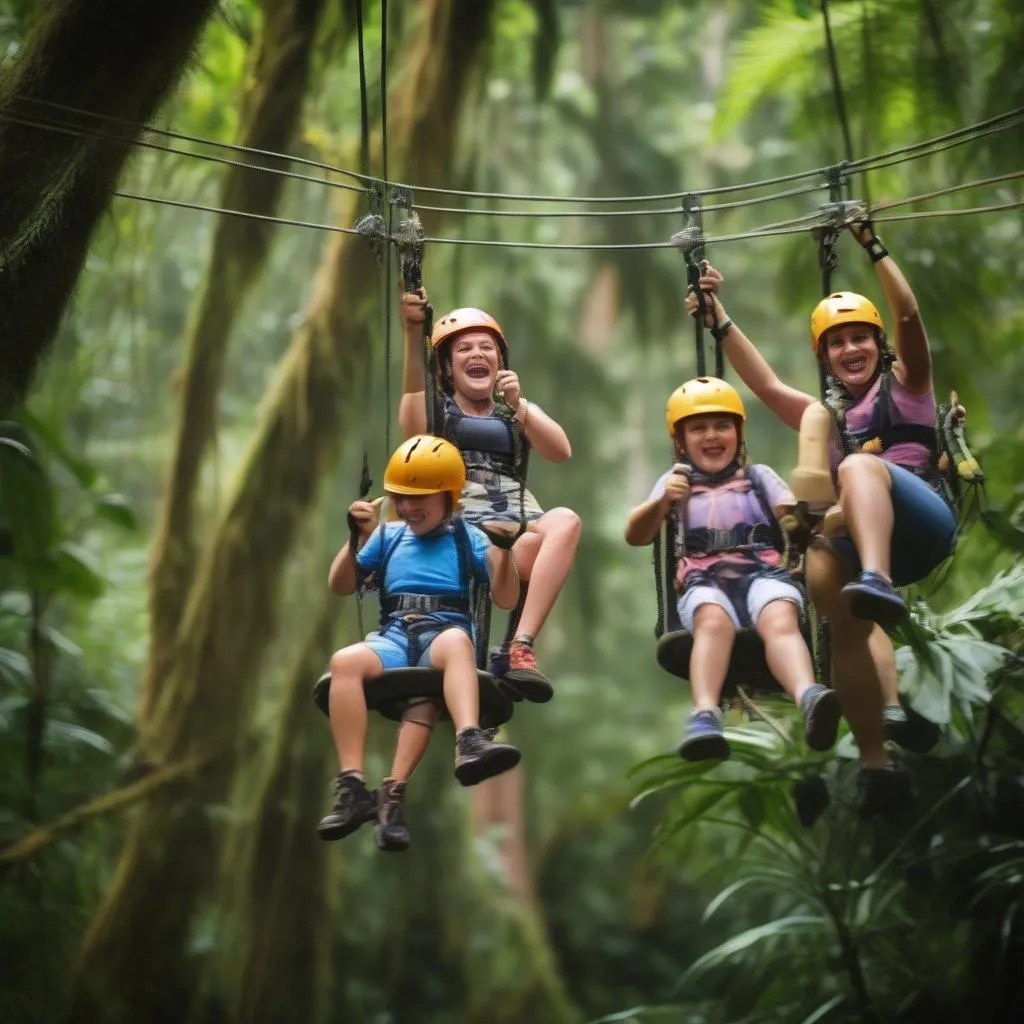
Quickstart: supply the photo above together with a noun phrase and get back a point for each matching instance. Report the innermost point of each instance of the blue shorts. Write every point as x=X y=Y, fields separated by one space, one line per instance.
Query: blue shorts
x=394 y=646
x=923 y=533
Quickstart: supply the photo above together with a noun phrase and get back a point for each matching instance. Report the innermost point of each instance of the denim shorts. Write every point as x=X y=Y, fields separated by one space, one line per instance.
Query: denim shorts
x=394 y=646
x=761 y=593
x=923 y=532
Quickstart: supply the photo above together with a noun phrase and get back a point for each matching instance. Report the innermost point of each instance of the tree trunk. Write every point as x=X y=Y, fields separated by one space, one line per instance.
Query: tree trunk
x=117 y=58
x=284 y=930
x=271 y=113
x=135 y=948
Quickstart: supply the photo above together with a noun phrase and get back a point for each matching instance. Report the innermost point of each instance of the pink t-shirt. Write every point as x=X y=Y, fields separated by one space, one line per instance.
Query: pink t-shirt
x=722 y=506
x=906 y=408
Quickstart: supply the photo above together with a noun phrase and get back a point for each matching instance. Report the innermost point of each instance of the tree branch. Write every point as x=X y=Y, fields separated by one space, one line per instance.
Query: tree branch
x=109 y=803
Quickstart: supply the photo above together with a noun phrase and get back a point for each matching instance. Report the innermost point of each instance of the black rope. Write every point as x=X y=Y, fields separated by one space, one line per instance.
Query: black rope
x=868 y=81
x=390 y=218
x=370 y=227
x=364 y=113
x=837 y=85
x=384 y=92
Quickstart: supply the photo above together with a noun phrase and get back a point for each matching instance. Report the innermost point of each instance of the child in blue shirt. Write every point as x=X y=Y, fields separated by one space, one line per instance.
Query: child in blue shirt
x=425 y=590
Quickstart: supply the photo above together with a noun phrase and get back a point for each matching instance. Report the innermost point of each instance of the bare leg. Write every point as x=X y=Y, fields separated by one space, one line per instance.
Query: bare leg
x=713 y=636
x=785 y=649
x=350 y=667
x=866 y=497
x=544 y=556
x=854 y=672
x=884 y=655
x=413 y=739
x=452 y=653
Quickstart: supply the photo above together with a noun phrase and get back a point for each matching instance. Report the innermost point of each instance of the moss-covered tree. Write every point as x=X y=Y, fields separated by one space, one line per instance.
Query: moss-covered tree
x=113 y=58
x=271 y=115
x=134 y=961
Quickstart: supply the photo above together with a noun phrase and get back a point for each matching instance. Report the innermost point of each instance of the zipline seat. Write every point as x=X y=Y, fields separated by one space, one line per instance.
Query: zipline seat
x=390 y=693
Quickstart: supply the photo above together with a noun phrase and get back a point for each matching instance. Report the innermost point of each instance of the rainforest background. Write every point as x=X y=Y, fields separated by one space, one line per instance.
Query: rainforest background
x=186 y=398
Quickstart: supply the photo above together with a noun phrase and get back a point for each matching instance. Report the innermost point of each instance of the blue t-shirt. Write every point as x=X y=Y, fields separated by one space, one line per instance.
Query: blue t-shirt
x=422 y=565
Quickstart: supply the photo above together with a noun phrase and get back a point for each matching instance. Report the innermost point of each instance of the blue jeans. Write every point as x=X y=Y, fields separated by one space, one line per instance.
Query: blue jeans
x=923 y=532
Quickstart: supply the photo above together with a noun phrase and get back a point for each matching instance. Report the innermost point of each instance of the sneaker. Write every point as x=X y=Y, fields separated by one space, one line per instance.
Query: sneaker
x=704 y=738
x=912 y=731
x=872 y=596
x=884 y=792
x=355 y=805
x=811 y=798
x=524 y=677
x=821 y=711
x=478 y=758
x=390 y=832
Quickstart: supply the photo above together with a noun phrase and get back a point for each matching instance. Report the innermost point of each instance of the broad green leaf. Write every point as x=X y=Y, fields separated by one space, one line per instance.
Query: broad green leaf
x=59 y=642
x=115 y=509
x=751 y=803
x=14 y=666
x=53 y=440
x=77 y=572
x=58 y=732
x=17 y=447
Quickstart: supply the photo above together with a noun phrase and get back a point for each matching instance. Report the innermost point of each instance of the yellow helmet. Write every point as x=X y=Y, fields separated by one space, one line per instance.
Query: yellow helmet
x=701 y=395
x=842 y=308
x=426 y=465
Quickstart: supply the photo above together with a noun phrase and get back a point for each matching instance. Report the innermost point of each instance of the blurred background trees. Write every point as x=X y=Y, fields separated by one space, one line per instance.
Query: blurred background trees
x=175 y=485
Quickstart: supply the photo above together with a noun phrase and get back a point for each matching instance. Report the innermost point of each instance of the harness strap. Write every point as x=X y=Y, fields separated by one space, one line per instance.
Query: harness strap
x=703 y=540
x=425 y=604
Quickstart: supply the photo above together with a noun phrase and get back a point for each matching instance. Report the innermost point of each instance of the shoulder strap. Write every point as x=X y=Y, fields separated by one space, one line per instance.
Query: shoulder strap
x=388 y=549
x=760 y=489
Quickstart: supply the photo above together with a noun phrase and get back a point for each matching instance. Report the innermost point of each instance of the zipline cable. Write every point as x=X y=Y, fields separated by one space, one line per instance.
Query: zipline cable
x=92 y=133
x=806 y=189
x=581 y=246
x=673 y=211
x=996 y=123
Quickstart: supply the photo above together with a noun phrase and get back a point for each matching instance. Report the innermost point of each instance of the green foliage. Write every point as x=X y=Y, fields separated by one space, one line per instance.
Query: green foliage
x=737 y=912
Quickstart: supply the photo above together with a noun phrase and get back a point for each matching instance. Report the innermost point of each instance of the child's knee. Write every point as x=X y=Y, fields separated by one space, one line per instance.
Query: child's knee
x=344 y=663
x=779 y=617
x=712 y=619
x=351 y=663
x=451 y=644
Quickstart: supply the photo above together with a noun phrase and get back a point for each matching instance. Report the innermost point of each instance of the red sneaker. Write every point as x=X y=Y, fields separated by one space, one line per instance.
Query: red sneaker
x=524 y=676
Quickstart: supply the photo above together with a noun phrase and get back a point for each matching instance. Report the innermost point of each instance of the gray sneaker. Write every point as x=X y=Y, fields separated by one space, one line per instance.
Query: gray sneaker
x=821 y=711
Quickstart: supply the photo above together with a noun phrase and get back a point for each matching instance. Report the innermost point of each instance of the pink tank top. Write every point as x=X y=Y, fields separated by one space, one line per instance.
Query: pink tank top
x=919 y=410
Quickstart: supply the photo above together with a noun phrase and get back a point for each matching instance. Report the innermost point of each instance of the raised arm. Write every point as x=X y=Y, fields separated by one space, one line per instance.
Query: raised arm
x=909 y=336
x=787 y=403
x=412 y=412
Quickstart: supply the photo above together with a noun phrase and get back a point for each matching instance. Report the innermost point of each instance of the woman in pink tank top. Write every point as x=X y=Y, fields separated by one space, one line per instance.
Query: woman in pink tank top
x=899 y=522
